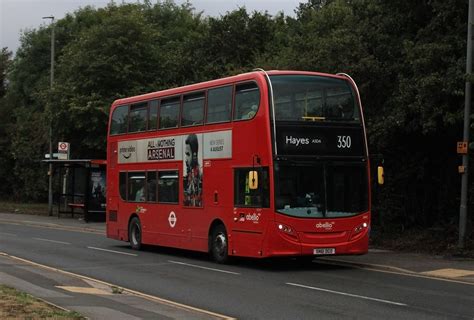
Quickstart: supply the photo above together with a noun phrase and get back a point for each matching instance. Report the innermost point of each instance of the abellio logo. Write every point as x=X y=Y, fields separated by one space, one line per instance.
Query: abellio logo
x=326 y=225
x=252 y=217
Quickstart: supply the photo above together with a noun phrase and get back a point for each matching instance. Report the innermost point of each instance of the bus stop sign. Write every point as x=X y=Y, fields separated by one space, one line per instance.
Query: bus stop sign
x=63 y=150
x=462 y=147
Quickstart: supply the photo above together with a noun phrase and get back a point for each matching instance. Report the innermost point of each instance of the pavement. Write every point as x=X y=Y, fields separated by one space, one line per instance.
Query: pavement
x=104 y=298
x=92 y=298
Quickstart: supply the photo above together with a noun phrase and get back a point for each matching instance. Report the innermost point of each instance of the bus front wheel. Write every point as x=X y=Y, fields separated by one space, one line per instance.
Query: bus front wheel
x=135 y=233
x=219 y=244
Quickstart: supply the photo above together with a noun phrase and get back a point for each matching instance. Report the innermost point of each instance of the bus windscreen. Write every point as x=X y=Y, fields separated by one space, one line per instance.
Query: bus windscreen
x=314 y=98
x=321 y=190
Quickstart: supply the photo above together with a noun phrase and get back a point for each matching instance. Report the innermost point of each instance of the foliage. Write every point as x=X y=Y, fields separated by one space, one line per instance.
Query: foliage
x=5 y=58
x=24 y=207
x=407 y=58
x=16 y=304
x=235 y=40
x=28 y=141
x=422 y=117
x=6 y=124
x=108 y=59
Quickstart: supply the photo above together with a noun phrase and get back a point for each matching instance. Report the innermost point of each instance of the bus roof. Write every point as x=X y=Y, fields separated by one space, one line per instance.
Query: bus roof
x=215 y=83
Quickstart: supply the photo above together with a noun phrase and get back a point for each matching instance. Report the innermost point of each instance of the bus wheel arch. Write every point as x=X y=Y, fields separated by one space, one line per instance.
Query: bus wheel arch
x=135 y=232
x=218 y=242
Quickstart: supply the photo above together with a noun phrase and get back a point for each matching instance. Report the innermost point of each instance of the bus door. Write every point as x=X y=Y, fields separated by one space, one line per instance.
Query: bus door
x=112 y=188
x=137 y=199
x=251 y=213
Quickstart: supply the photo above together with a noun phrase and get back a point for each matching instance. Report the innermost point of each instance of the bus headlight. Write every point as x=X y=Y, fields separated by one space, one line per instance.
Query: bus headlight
x=287 y=229
x=358 y=230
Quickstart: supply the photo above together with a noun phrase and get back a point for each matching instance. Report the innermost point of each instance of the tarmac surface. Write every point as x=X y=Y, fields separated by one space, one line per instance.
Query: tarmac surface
x=106 y=301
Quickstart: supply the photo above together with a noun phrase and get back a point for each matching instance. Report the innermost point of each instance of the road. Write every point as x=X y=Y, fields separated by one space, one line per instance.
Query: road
x=246 y=289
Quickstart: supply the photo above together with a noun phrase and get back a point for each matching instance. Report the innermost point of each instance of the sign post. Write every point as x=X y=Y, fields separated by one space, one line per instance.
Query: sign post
x=465 y=142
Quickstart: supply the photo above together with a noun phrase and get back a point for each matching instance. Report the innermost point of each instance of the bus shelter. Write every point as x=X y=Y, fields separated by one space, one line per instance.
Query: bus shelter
x=79 y=187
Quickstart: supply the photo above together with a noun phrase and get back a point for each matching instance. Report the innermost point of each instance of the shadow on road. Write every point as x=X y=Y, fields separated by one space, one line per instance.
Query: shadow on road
x=280 y=264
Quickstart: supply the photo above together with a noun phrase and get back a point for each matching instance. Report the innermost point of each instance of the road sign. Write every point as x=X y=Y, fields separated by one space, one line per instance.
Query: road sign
x=63 y=150
x=63 y=147
x=55 y=155
x=462 y=147
x=63 y=156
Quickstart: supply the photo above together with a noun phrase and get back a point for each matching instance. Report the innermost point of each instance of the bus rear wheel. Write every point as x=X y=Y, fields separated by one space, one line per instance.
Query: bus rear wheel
x=135 y=233
x=219 y=244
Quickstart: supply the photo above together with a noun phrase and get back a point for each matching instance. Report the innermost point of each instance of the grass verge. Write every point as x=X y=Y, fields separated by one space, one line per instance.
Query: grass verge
x=25 y=208
x=19 y=305
x=437 y=242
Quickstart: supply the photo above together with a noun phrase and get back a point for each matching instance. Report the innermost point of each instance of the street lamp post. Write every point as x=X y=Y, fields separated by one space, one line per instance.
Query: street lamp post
x=467 y=114
x=50 y=170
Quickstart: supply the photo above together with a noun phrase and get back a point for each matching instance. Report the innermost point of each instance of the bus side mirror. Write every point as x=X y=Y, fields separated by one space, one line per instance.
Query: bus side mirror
x=380 y=175
x=253 y=180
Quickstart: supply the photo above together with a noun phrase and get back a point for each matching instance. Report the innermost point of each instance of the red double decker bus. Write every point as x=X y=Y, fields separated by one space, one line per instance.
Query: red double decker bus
x=260 y=164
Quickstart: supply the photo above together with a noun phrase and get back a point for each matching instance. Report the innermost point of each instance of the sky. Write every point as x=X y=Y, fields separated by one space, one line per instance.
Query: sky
x=19 y=15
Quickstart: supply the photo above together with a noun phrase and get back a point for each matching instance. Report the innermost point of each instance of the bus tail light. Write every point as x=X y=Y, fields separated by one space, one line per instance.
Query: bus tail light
x=287 y=229
x=359 y=229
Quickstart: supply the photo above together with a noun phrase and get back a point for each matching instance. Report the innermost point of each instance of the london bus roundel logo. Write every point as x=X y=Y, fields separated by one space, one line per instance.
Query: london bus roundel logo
x=172 y=219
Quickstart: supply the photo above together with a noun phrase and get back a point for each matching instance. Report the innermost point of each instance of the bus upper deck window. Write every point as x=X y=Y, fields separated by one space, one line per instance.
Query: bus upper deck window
x=340 y=103
x=247 y=100
x=304 y=98
x=138 y=117
x=219 y=104
x=119 y=121
x=193 y=109
x=153 y=115
x=169 y=113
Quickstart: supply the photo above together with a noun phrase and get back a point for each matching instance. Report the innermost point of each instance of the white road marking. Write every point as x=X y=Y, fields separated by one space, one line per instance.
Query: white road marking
x=136 y=293
x=346 y=294
x=54 y=241
x=8 y=234
x=201 y=267
x=113 y=251
x=390 y=270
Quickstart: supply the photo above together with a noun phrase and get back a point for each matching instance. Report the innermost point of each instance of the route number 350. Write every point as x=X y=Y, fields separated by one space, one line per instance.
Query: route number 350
x=344 y=142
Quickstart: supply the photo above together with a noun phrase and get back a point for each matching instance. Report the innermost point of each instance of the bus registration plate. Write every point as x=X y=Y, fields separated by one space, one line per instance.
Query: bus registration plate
x=321 y=251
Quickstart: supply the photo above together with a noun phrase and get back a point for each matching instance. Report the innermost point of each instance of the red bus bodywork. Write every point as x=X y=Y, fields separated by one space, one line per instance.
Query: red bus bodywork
x=251 y=231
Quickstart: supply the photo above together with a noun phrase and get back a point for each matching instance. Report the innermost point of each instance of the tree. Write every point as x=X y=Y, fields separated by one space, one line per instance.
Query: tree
x=180 y=47
x=27 y=106
x=6 y=162
x=236 y=40
x=5 y=59
x=108 y=60
x=423 y=116
x=129 y=50
x=407 y=59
